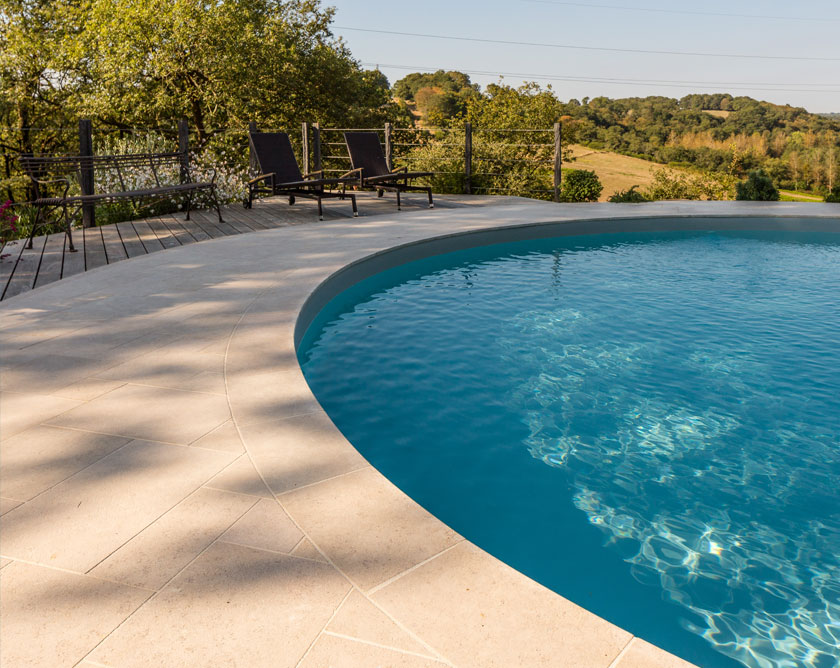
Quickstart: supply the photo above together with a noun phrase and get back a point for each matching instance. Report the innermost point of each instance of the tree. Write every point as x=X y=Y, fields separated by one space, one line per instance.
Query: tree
x=580 y=185
x=223 y=63
x=757 y=188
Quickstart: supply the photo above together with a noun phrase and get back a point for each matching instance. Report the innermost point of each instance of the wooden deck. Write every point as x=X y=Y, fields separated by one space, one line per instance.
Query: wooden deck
x=23 y=269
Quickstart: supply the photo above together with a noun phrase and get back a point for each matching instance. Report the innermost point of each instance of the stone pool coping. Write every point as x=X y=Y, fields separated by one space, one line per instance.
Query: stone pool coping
x=188 y=502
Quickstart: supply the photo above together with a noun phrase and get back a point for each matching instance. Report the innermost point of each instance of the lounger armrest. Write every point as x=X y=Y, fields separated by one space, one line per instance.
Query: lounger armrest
x=319 y=173
x=358 y=170
x=399 y=169
x=262 y=177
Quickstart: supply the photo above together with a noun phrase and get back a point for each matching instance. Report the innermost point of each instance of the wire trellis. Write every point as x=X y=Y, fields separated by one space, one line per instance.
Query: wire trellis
x=460 y=159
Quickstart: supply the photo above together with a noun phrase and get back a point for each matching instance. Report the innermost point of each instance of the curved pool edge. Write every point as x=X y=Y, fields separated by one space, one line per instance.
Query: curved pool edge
x=366 y=266
x=382 y=579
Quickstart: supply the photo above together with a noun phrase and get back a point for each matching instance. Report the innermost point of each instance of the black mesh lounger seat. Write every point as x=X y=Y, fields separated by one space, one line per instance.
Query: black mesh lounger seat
x=369 y=163
x=280 y=174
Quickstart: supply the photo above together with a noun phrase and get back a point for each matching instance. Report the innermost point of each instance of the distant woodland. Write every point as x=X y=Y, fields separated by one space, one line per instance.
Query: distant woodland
x=716 y=133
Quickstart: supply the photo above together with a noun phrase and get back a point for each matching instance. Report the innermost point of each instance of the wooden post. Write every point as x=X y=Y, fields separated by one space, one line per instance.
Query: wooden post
x=86 y=172
x=252 y=159
x=304 y=131
x=316 y=146
x=558 y=159
x=184 y=149
x=389 y=152
x=468 y=158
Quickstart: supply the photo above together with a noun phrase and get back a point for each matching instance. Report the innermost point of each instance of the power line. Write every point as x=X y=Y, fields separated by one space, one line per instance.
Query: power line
x=584 y=48
x=670 y=83
x=685 y=11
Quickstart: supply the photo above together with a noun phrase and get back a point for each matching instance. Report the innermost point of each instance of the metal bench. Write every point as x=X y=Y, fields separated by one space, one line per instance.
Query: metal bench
x=124 y=167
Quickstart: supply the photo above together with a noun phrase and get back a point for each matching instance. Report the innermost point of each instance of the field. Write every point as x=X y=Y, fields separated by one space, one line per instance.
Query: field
x=797 y=196
x=617 y=172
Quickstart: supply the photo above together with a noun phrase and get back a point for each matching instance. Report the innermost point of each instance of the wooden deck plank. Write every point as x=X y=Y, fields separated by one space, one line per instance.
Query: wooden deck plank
x=94 y=249
x=131 y=242
x=238 y=225
x=74 y=262
x=147 y=236
x=177 y=230
x=166 y=238
x=265 y=217
x=8 y=260
x=112 y=243
x=213 y=229
x=52 y=260
x=26 y=269
x=114 y=249
x=190 y=226
x=238 y=214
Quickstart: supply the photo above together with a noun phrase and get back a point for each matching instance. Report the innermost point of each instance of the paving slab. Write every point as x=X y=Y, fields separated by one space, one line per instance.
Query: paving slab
x=159 y=552
x=21 y=410
x=265 y=526
x=233 y=605
x=462 y=593
x=54 y=618
x=224 y=438
x=150 y=413
x=369 y=529
x=301 y=451
x=641 y=654
x=82 y=520
x=7 y=504
x=241 y=477
x=359 y=618
x=40 y=457
x=333 y=652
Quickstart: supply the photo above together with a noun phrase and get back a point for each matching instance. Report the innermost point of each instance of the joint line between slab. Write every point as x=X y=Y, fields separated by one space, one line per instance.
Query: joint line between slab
x=163 y=586
x=620 y=655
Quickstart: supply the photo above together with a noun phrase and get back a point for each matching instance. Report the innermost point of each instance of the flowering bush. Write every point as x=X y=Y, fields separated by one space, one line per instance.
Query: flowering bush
x=8 y=222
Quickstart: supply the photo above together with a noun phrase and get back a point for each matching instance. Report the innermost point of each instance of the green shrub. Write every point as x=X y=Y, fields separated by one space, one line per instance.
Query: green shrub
x=757 y=188
x=834 y=195
x=631 y=195
x=580 y=185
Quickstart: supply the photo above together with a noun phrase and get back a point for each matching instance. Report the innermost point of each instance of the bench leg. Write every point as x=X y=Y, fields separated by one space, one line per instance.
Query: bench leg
x=320 y=208
x=35 y=225
x=398 y=200
x=216 y=203
x=431 y=201
x=189 y=204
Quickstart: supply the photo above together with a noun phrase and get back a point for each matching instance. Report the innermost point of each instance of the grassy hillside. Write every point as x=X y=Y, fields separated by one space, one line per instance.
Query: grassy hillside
x=617 y=172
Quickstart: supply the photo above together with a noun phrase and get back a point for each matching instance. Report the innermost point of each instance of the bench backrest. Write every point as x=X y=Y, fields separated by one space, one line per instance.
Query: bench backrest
x=39 y=167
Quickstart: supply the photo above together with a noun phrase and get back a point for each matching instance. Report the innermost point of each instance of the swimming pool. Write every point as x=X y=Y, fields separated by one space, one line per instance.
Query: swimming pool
x=646 y=423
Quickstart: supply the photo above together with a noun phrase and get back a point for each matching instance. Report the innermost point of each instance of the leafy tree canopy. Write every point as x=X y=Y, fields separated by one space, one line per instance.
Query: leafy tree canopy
x=149 y=62
x=453 y=82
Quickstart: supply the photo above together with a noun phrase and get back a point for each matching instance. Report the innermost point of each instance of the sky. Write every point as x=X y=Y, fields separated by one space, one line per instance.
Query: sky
x=799 y=45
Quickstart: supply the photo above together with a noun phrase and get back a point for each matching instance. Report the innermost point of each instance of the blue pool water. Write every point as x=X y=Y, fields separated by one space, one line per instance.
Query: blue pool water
x=648 y=424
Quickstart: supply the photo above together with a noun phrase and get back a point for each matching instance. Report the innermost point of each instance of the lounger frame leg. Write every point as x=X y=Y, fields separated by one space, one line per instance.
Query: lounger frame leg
x=398 y=201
